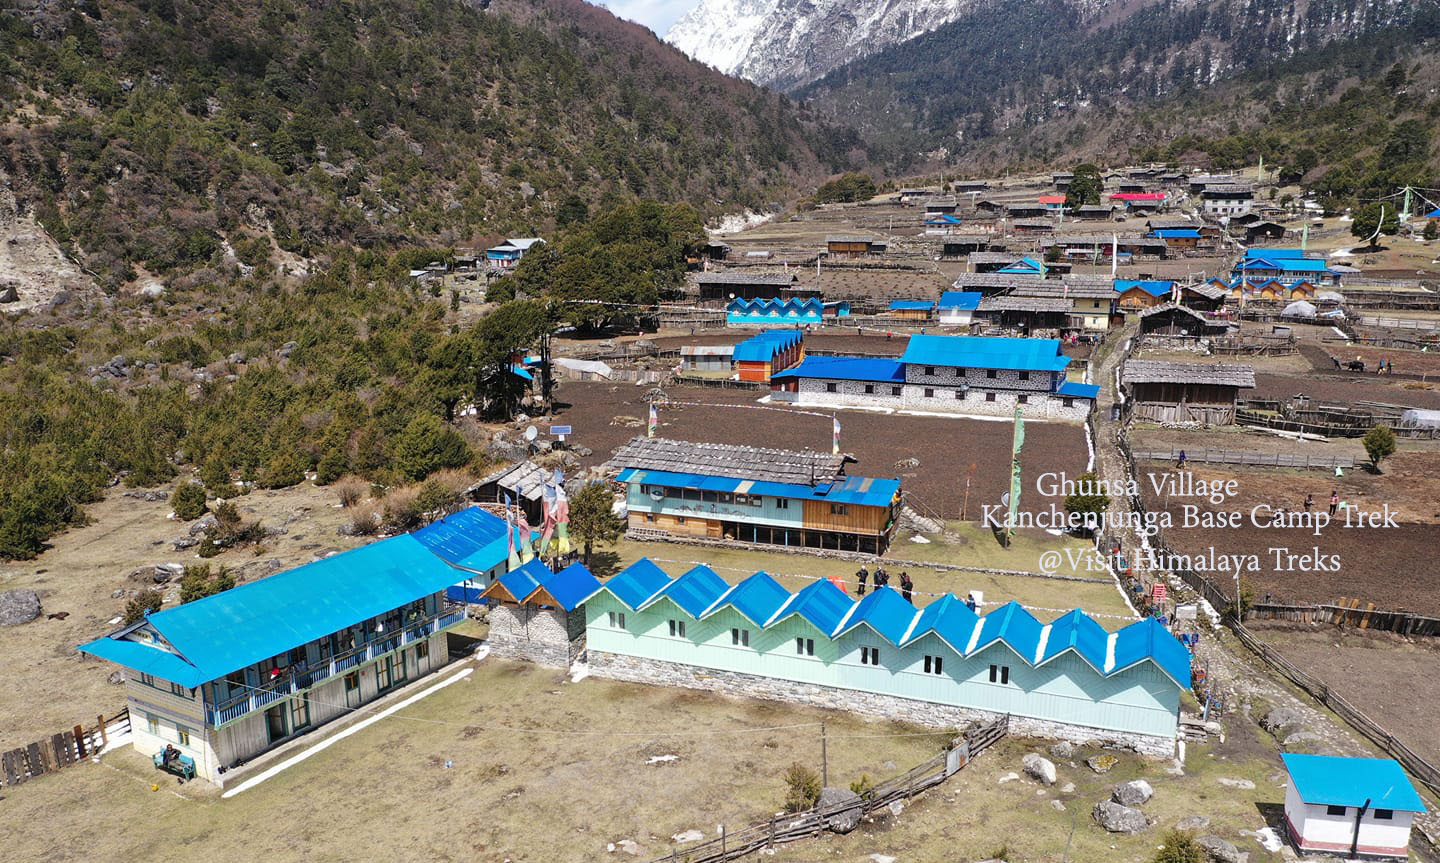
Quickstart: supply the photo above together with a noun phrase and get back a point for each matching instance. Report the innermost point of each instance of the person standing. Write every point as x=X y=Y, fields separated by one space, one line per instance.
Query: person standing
x=882 y=578
x=907 y=587
x=1180 y=462
x=861 y=577
x=1309 y=501
x=1334 y=501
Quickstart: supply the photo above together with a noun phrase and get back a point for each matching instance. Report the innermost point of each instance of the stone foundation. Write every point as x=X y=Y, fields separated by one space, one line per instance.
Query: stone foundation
x=540 y=635
x=639 y=670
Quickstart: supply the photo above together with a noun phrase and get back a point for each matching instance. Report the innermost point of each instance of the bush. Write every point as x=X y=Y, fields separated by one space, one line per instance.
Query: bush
x=427 y=445
x=803 y=788
x=284 y=470
x=216 y=477
x=1379 y=444
x=863 y=785
x=402 y=510
x=351 y=492
x=145 y=602
x=188 y=501
x=229 y=531
x=1179 y=846
x=332 y=466
x=364 y=522
x=1089 y=506
x=199 y=582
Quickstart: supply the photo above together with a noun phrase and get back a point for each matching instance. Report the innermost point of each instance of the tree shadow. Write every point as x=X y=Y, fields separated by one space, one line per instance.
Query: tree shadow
x=604 y=564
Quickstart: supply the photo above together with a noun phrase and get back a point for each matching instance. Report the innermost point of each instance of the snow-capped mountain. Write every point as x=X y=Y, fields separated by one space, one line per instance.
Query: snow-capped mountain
x=787 y=43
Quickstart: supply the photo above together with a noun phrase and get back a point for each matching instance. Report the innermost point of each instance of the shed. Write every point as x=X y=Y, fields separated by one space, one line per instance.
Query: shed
x=1163 y=391
x=757 y=358
x=1172 y=319
x=749 y=286
x=706 y=358
x=957 y=308
x=911 y=310
x=1357 y=807
x=853 y=245
x=524 y=482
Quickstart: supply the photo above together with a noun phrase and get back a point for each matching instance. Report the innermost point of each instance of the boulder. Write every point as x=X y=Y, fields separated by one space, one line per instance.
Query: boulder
x=1119 y=819
x=238 y=358
x=1133 y=793
x=18 y=606
x=152 y=290
x=117 y=594
x=847 y=808
x=1039 y=768
x=203 y=524
x=8 y=294
x=1101 y=763
x=1220 y=851
x=1242 y=784
x=1192 y=822
x=1283 y=719
x=184 y=542
x=1305 y=738
x=1064 y=750
x=116 y=678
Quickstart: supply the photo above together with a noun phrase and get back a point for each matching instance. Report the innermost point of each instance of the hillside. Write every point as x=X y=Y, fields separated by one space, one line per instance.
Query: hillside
x=165 y=137
x=999 y=86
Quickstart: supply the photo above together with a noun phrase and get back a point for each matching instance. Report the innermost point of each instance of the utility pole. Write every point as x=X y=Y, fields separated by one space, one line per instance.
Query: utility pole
x=824 y=758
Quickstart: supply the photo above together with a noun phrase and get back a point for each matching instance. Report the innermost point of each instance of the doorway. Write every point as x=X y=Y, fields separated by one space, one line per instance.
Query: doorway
x=275 y=725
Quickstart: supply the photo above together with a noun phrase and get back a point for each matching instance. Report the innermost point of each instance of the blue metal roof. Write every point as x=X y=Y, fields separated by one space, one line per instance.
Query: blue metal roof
x=965 y=301
x=1286 y=265
x=846 y=369
x=241 y=626
x=1075 y=631
x=1275 y=254
x=522 y=582
x=821 y=603
x=859 y=490
x=942 y=219
x=775 y=306
x=911 y=306
x=1079 y=391
x=976 y=352
x=1013 y=625
x=757 y=598
x=1177 y=233
x=1330 y=780
x=1024 y=265
x=1153 y=288
x=471 y=538
x=571 y=586
x=1147 y=639
x=950 y=619
x=694 y=591
x=637 y=583
x=148 y=660
x=884 y=611
x=764 y=347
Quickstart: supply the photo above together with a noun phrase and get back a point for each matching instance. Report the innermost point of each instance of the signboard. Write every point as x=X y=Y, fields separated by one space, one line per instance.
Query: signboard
x=560 y=431
x=1159 y=592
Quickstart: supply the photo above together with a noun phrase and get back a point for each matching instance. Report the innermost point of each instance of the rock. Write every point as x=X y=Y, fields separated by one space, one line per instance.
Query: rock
x=1301 y=738
x=847 y=805
x=184 y=542
x=1057 y=805
x=1283 y=719
x=165 y=572
x=1119 y=819
x=1067 y=788
x=238 y=358
x=881 y=858
x=1064 y=750
x=688 y=836
x=896 y=807
x=59 y=299
x=18 y=606
x=1192 y=822
x=1221 y=851
x=152 y=290
x=1008 y=777
x=629 y=847
x=1039 y=768
x=116 y=678
x=1242 y=784
x=203 y=524
x=118 y=594
x=1133 y=793
x=1101 y=763
x=8 y=294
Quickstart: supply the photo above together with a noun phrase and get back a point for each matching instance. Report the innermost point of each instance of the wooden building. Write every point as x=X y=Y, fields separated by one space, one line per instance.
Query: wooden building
x=853 y=245
x=942 y=204
x=1170 y=319
x=911 y=310
x=1091 y=297
x=1204 y=297
x=1136 y=295
x=522 y=482
x=1163 y=392
x=990 y=284
x=761 y=356
x=754 y=494
x=1027 y=314
x=752 y=286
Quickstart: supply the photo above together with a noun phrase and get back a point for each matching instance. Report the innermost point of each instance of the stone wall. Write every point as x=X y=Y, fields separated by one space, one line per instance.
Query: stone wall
x=546 y=636
x=639 y=670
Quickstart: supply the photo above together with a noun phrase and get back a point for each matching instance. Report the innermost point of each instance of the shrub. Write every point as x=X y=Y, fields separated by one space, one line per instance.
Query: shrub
x=216 y=477
x=145 y=602
x=364 y=522
x=332 y=466
x=284 y=470
x=427 y=445
x=188 y=501
x=1179 y=846
x=402 y=510
x=229 y=531
x=863 y=785
x=802 y=788
x=350 y=492
x=199 y=582
x=1379 y=444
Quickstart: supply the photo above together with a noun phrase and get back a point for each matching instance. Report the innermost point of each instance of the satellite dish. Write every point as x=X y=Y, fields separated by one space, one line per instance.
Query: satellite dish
x=531 y=433
x=1005 y=499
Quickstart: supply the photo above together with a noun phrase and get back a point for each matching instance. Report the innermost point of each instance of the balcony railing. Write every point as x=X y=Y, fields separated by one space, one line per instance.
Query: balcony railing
x=299 y=681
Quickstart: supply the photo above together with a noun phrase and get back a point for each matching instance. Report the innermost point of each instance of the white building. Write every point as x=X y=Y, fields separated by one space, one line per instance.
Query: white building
x=1351 y=807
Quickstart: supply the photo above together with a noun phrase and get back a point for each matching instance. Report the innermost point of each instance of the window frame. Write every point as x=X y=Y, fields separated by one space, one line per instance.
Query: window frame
x=677 y=627
x=1383 y=814
x=739 y=637
x=832 y=387
x=1330 y=810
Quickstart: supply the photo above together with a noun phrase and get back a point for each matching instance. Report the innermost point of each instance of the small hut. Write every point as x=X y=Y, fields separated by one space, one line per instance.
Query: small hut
x=1162 y=391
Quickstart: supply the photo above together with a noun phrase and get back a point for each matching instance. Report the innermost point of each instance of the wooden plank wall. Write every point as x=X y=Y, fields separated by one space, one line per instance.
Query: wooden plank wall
x=857 y=519
x=58 y=751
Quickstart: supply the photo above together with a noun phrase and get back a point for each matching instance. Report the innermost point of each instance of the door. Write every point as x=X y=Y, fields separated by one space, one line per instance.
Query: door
x=275 y=725
x=352 y=689
x=399 y=667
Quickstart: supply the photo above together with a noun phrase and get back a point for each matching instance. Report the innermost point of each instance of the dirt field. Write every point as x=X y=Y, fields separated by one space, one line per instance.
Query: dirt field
x=1377 y=565
x=1347 y=389
x=1392 y=679
x=952 y=449
x=49 y=686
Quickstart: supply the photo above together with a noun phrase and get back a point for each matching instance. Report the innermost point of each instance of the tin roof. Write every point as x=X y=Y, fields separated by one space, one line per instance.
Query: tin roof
x=1330 y=780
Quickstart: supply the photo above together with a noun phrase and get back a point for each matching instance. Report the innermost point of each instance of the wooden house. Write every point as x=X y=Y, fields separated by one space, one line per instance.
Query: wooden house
x=754 y=494
x=1356 y=808
x=911 y=310
x=1136 y=295
x=1091 y=299
x=962 y=245
x=1263 y=232
x=1033 y=226
x=992 y=283
x=1172 y=319
x=967 y=187
x=1227 y=199
x=522 y=482
x=229 y=676
x=1061 y=180
x=937 y=663
x=1177 y=238
x=941 y=204
x=1053 y=204
x=749 y=286
x=1094 y=212
x=1163 y=392
x=761 y=356
x=986 y=205
x=994 y=262
x=1026 y=314
x=853 y=245
x=1205 y=297
x=1021 y=210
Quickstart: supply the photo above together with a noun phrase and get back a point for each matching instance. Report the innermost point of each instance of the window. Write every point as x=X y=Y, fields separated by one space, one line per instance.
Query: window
x=933 y=664
x=352 y=682
x=147 y=679
x=422 y=650
x=1024 y=400
x=679 y=519
x=1024 y=376
x=930 y=370
x=740 y=637
x=650 y=516
x=182 y=736
x=959 y=395
x=989 y=397
x=617 y=620
x=805 y=646
x=177 y=689
x=839 y=509
x=677 y=629
x=726 y=497
x=830 y=388
x=869 y=389
x=782 y=503
x=894 y=391
x=1335 y=810
x=999 y=674
x=709 y=496
x=152 y=724
x=383 y=678
x=1384 y=814
x=990 y=373
x=869 y=656
x=1067 y=402
x=929 y=393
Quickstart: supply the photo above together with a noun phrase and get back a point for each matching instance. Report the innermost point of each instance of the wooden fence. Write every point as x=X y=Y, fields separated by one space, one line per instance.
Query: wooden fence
x=59 y=751
x=1398 y=323
x=1259 y=459
x=790 y=827
x=1348 y=612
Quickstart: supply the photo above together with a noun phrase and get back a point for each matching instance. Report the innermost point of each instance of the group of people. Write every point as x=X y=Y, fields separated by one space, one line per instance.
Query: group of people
x=1334 y=501
x=882 y=579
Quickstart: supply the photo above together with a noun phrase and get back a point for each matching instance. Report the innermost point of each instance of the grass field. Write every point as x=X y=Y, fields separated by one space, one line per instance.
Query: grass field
x=542 y=770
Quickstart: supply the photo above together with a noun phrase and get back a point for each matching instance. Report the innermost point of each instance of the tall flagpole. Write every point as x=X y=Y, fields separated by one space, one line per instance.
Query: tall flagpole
x=1019 y=441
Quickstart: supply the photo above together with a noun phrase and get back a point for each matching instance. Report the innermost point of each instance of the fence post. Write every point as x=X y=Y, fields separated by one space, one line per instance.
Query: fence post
x=722 y=841
x=79 y=741
x=104 y=740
